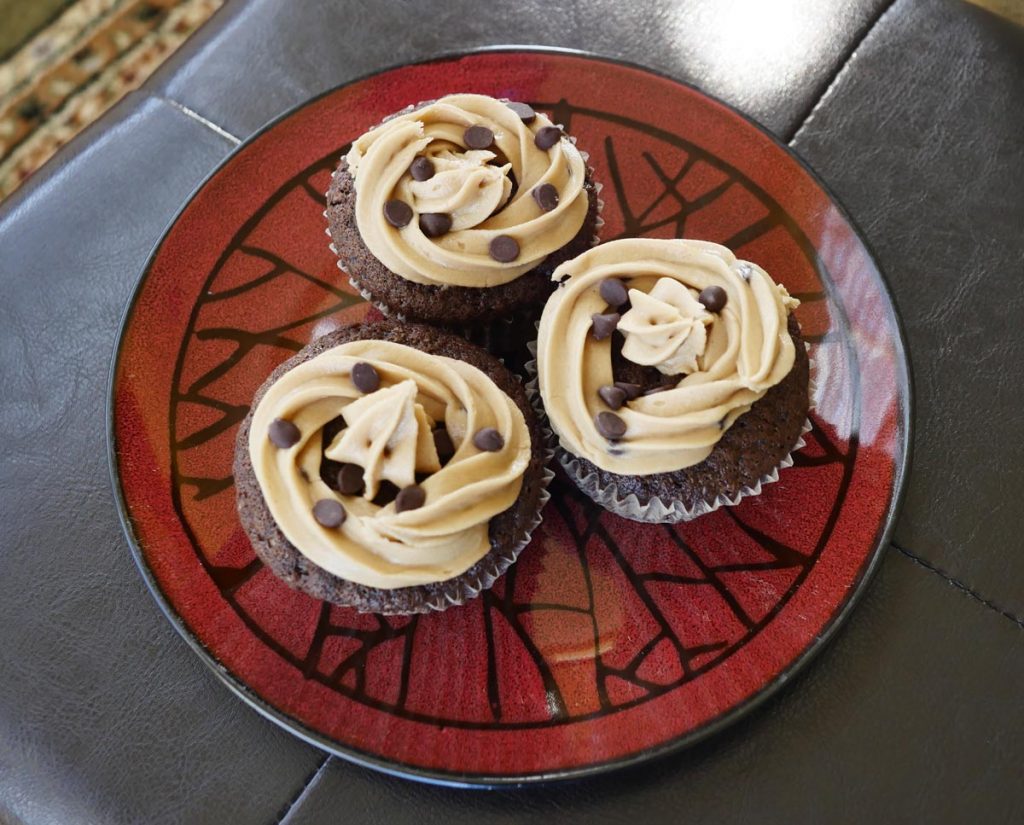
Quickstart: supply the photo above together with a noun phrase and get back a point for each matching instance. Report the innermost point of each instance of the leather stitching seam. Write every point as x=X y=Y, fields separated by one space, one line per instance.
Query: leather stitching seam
x=299 y=797
x=844 y=64
x=194 y=115
x=974 y=594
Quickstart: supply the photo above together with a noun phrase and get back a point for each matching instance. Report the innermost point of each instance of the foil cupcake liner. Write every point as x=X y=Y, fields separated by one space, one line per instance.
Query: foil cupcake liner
x=656 y=510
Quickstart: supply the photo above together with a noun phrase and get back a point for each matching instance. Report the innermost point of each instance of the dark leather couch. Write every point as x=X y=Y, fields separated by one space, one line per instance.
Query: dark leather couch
x=913 y=112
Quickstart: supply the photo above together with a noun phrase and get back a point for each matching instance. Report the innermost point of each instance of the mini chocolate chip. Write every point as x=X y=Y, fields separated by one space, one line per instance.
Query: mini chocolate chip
x=397 y=213
x=610 y=426
x=614 y=292
x=488 y=439
x=350 y=480
x=422 y=168
x=504 y=249
x=745 y=271
x=713 y=298
x=546 y=196
x=283 y=433
x=410 y=498
x=329 y=513
x=524 y=110
x=661 y=388
x=435 y=224
x=613 y=396
x=547 y=137
x=365 y=377
x=632 y=390
x=604 y=325
x=478 y=137
x=443 y=444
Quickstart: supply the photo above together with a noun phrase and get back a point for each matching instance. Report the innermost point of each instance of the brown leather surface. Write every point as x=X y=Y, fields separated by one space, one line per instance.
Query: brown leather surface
x=912 y=714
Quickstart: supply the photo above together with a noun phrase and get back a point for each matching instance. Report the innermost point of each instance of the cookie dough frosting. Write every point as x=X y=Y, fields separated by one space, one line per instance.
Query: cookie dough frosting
x=467 y=191
x=716 y=324
x=393 y=399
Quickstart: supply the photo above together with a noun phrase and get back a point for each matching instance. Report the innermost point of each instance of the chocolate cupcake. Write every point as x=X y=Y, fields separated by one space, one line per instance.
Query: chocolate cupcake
x=392 y=468
x=457 y=211
x=673 y=375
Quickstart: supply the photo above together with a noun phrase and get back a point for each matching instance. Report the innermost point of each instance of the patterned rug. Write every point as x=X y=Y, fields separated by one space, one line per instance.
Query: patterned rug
x=79 y=66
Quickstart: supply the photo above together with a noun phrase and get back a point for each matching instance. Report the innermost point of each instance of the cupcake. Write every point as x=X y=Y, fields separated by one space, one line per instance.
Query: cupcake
x=457 y=211
x=673 y=375
x=392 y=468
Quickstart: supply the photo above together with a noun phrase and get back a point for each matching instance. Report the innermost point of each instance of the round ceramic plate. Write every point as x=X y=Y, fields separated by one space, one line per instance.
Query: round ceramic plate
x=610 y=641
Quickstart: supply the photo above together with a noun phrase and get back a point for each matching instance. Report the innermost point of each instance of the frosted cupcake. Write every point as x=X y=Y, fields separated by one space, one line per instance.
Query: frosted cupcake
x=673 y=376
x=456 y=212
x=390 y=467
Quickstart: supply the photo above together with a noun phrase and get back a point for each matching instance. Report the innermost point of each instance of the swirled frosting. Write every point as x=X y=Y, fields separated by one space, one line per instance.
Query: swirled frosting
x=665 y=328
x=747 y=350
x=388 y=434
x=473 y=186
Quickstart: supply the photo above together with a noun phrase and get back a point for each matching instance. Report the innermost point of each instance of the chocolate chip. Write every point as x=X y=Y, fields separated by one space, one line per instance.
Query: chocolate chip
x=365 y=377
x=604 y=325
x=547 y=137
x=661 y=388
x=613 y=396
x=632 y=390
x=488 y=439
x=478 y=137
x=524 y=110
x=410 y=498
x=422 y=168
x=713 y=298
x=443 y=444
x=350 y=480
x=546 y=196
x=329 y=513
x=610 y=425
x=504 y=248
x=435 y=224
x=283 y=433
x=397 y=213
x=614 y=292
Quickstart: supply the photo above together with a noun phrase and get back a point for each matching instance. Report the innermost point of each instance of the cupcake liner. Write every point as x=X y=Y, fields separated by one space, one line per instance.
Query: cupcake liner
x=657 y=510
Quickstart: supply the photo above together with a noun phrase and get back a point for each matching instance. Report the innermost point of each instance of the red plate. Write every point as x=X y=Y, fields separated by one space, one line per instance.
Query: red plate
x=610 y=641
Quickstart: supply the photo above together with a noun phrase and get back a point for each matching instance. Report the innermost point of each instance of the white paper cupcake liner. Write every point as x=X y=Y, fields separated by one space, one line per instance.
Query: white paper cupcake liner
x=656 y=510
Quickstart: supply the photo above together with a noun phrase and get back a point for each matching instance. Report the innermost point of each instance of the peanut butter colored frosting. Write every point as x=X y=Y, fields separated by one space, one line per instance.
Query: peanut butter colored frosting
x=666 y=328
x=473 y=186
x=728 y=359
x=388 y=434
